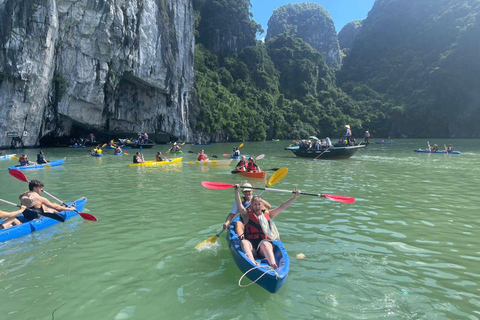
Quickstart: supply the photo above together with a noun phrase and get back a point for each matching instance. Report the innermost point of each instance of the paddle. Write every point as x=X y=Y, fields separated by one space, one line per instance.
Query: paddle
x=15 y=158
x=20 y=176
x=141 y=152
x=221 y=185
x=50 y=215
x=274 y=179
x=241 y=145
x=323 y=152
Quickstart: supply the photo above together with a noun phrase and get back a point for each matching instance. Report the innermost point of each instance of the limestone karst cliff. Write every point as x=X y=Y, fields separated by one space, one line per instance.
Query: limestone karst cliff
x=104 y=65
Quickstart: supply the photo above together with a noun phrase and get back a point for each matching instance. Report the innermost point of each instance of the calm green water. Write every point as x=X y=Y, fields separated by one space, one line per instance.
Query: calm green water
x=408 y=248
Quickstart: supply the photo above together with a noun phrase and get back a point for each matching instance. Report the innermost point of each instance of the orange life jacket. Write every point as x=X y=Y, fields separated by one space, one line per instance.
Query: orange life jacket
x=201 y=157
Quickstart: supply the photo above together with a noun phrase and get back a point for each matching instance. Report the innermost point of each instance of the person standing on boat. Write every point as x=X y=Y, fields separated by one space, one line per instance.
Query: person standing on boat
x=41 y=158
x=252 y=166
x=10 y=218
x=242 y=164
x=247 y=198
x=92 y=138
x=367 y=137
x=36 y=204
x=255 y=240
x=202 y=156
x=348 y=133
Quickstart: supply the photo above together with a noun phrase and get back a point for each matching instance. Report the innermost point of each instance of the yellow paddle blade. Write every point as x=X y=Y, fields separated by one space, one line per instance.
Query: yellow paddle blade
x=277 y=176
x=208 y=241
x=240 y=145
x=183 y=143
x=104 y=145
x=14 y=158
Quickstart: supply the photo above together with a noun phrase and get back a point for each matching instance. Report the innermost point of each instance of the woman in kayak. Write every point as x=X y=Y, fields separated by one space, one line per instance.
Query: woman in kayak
x=137 y=158
x=242 y=164
x=255 y=240
x=23 y=160
x=252 y=166
x=10 y=218
x=36 y=204
x=202 y=156
x=160 y=157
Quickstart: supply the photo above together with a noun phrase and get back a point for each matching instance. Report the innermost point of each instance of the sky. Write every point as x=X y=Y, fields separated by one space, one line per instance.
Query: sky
x=341 y=11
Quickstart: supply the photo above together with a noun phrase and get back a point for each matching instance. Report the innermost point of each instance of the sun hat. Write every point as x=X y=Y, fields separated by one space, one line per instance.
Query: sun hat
x=247 y=185
x=347 y=126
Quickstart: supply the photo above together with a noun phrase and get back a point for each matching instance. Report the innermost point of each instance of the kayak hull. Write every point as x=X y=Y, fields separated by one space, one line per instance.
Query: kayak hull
x=439 y=151
x=271 y=281
x=156 y=163
x=52 y=163
x=7 y=156
x=212 y=162
x=254 y=175
x=39 y=224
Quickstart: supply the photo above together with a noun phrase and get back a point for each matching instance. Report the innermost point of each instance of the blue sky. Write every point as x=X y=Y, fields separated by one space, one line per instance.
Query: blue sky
x=341 y=11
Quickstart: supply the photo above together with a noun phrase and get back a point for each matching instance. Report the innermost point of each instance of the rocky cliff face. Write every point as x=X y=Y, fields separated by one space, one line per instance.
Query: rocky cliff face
x=103 y=65
x=347 y=35
x=313 y=24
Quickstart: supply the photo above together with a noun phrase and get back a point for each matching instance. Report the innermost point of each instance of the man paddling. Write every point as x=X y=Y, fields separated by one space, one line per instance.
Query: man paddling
x=36 y=204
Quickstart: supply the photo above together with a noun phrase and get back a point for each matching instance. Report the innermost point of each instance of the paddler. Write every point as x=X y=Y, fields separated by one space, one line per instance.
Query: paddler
x=242 y=164
x=36 y=204
x=255 y=240
x=23 y=160
x=247 y=198
x=137 y=158
x=252 y=166
x=118 y=150
x=41 y=157
x=202 y=156
x=160 y=157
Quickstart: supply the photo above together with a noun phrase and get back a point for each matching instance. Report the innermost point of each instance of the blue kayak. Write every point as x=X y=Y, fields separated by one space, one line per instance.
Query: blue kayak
x=118 y=153
x=8 y=156
x=52 y=163
x=267 y=279
x=438 y=151
x=96 y=155
x=38 y=224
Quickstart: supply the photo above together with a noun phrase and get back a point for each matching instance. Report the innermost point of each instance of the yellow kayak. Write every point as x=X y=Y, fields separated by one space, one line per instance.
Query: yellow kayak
x=212 y=162
x=155 y=163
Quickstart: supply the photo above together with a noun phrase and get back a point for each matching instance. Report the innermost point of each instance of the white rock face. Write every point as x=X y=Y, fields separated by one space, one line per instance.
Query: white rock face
x=108 y=65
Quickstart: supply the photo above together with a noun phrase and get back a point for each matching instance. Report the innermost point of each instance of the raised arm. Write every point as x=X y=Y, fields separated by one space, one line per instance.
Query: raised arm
x=238 y=200
x=273 y=213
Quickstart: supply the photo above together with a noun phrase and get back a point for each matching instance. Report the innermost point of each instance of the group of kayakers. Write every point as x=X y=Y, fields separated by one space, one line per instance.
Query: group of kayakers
x=138 y=157
x=247 y=166
x=33 y=205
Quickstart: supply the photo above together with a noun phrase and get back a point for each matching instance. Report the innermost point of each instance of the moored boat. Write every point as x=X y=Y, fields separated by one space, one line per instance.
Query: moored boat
x=212 y=162
x=145 y=145
x=254 y=175
x=438 y=151
x=7 y=156
x=328 y=153
x=155 y=163
x=39 y=224
x=52 y=163
x=270 y=280
x=292 y=148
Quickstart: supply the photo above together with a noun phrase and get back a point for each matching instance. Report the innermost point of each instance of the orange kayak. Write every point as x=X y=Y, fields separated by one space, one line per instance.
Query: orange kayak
x=255 y=175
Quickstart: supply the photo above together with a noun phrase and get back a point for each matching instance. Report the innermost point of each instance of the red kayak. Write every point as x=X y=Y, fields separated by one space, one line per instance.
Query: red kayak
x=255 y=175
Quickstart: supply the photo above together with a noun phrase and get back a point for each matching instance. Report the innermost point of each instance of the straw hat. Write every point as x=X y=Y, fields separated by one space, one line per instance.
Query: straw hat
x=247 y=185
x=347 y=126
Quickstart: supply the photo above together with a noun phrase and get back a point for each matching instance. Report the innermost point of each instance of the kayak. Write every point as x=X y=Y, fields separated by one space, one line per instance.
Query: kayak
x=439 y=151
x=7 y=156
x=155 y=163
x=118 y=153
x=212 y=162
x=96 y=155
x=52 y=163
x=267 y=279
x=390 y=142
x=254 y=175
x=38 y=224
x=178 y=151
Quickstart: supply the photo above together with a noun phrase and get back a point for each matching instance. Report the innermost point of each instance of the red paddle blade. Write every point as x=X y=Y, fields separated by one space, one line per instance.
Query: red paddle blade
x=18 y=174
x=339 y=198
x=217 y=185
x=88 y=216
